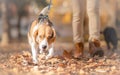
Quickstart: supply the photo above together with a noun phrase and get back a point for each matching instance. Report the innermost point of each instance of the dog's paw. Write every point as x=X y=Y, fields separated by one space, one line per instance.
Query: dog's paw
x=48 y=57
x=41 y=51
x=35 y=62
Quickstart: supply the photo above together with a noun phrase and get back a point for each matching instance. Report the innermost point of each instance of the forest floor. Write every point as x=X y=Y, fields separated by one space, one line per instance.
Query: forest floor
x=15 y=59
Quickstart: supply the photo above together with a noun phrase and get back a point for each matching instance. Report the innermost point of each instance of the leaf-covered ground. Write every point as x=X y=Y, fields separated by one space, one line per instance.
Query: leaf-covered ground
x=15 y=59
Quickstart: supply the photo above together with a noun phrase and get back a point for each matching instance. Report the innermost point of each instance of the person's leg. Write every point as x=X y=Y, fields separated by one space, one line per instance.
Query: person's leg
x=94 y=27
x=78 y=7
x=94 y=19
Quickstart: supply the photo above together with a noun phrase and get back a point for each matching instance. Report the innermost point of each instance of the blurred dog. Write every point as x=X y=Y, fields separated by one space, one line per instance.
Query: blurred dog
x=110 y=38
x=41 y=35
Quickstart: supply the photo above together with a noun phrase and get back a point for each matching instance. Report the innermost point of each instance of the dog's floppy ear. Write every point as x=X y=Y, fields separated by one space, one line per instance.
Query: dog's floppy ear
x=54 y=33
x=37 y=39
x=36 y=36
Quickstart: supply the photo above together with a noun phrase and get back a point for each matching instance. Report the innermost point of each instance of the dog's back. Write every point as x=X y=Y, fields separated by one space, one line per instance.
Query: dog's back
x=110 y=37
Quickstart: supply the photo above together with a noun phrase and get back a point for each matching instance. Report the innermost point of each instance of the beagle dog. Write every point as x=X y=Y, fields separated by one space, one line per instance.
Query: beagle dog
x=41 y=36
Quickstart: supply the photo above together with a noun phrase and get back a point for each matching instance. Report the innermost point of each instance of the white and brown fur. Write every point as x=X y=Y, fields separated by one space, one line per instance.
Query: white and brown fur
x=41 y=36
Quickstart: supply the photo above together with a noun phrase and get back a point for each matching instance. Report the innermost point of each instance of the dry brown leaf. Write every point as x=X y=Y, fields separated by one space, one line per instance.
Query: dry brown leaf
x=82 y=72
x=60 y=69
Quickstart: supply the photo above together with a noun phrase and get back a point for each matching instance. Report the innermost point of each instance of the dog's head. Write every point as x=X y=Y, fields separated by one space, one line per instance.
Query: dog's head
x=46 y=35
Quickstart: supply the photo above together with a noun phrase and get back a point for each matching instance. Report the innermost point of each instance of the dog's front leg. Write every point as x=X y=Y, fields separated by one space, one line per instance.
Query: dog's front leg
x=50 y=52
x=41 y=51
x=34 y=53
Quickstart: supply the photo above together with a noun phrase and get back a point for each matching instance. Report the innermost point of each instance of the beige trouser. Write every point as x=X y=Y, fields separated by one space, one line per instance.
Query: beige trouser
x=80 y=9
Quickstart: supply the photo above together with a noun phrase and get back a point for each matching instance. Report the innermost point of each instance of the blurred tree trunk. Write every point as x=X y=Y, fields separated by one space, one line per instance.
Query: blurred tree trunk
x=5 y=33
x=18 y=26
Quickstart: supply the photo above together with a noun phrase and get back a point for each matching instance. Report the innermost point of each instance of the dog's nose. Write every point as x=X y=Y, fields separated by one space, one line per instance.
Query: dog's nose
x=44 y=46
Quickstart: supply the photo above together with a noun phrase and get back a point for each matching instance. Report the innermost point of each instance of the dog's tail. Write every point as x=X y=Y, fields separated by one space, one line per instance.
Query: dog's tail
x=44 y=14
x=45 y=10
